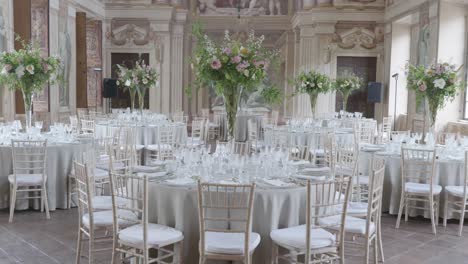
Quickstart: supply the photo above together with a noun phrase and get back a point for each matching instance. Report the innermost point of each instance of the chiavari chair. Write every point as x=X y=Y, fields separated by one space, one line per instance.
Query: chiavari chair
x=236 y=243
x=418 y=171
x=29 y=173
x=318 y=241
x=456 y=198
x=135 y=239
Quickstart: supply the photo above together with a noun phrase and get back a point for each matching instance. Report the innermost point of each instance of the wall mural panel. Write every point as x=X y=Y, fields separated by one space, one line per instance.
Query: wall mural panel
x=65 y=53
x=248 y=7
x=40 y=36
x=94 y=62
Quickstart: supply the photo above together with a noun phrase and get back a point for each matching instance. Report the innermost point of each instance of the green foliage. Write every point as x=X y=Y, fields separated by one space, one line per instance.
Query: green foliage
x=436 y=83
x=27 y=70
x=346 y=84
x=231 y=64
x=273 y=96
x=312 y=82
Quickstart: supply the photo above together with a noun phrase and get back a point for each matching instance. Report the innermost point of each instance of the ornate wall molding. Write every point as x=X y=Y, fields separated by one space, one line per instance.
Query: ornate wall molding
x=131 y=32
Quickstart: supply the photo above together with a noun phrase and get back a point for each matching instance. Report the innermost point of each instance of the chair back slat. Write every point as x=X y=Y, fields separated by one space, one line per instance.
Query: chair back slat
x=417 y=165
x=29 y=157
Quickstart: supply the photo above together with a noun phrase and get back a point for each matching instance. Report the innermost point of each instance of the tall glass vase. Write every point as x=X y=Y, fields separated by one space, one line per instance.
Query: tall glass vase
x=231 y=101
x=313 y=102
x=28 y=101
x=345 y=101
x=141 y=99
x=430 y=115
x=132 y=100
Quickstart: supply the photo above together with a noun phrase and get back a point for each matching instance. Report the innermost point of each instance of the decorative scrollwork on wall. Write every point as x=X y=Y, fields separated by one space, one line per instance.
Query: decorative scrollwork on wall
x=131 y=32
x=357 y=37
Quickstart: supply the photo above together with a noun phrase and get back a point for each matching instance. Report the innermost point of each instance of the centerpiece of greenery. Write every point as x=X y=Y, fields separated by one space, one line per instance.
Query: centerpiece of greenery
x=434 y=84
x=233 y=66
x=312 y=83
x=28 y=71
x=346 y=85
x=126 y=81
x=145 y=78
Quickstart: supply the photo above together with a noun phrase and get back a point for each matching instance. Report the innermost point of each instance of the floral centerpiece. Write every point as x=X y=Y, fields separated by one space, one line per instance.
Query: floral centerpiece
x=126 y=81
x=436 y=84
x=345 y=85
x=28 y=71
x=313 y=84
x=145 y=77
x=233 y=66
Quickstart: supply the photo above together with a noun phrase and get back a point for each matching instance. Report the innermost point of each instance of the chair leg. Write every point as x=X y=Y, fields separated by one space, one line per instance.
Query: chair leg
x=431 y=211
x=178 y=253
x=79 y=246
x=437 y=205
x=376 y=251
x=462 y=218
x=46 y=201
x=115 y=253
x=406 y=209
x=400 y=211
x=91 y=246
x=379 y=239
x=274 y=254
x=69 y=192
x=446 y=209
x=42 y=199
x=12 y=201
x=366 y=254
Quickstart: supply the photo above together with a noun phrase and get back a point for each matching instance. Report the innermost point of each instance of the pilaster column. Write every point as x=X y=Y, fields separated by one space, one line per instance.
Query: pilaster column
x=308 y=4
x=8 y=97
x=72 y=77
x=307 y=42
x=54 y=51
x=177 y=67
x=165 y=82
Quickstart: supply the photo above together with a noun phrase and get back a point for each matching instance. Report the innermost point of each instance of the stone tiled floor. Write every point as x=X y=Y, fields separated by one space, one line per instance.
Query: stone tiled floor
x=32 y=239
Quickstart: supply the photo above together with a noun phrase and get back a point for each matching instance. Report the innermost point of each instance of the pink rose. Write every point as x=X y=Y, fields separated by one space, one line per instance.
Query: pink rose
x=236 y=59
x=216 y=64
x=227 y=51
x=422 y=87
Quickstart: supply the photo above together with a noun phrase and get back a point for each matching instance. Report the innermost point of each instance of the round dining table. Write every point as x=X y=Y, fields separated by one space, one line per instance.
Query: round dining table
x=146 y=134
x=59 y=163
x=273 y=208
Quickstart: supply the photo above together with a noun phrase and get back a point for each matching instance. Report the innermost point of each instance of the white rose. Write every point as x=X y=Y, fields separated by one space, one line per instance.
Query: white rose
x=312 y=84
x=145 y=81
x=127 y=83
x=439 y=83
x=246 y=73
x=19 y=71
x=30 y=69
x=118 y=83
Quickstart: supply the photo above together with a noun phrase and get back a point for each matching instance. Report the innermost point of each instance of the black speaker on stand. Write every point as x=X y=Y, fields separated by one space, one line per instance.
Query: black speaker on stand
x=110 y=90
x=374 y=92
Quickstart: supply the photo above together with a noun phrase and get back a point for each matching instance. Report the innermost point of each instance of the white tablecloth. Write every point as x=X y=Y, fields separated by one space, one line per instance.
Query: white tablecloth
x=177 y=206
x=59 y=164
x=448 y=172
x=147 y=135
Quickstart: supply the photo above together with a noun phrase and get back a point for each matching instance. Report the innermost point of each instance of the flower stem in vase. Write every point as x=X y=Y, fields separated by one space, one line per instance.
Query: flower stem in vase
x=141 y=100
x=28 y=101
x=313 y=102
x=345 y=101
x=231 y=100
x=132 y=100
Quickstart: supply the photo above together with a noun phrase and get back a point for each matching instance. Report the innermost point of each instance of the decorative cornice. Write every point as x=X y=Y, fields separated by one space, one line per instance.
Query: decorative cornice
x=330 y=15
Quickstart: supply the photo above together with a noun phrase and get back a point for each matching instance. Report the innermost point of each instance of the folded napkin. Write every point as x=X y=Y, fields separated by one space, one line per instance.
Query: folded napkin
x=316 y=171
x=277 y=183
x=228 y=182
x=180 y=181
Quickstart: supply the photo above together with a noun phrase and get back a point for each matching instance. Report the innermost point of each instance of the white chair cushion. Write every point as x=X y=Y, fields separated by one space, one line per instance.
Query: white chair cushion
x=212 y=125
x=455 y=190
x=152 y=175
x=26 y=179
x=105 y=202
x=355 y=208
x=295 y=237
x=316 y=171
x=106 y=218
x=139 y=147
x=157 y=147
x=229 y=243
x=194 y=142
x=352 y=224
x=422 y=188
x=158 y=235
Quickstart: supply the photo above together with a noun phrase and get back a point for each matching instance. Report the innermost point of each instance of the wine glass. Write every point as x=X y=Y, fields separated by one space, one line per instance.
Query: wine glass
x=38 y=125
